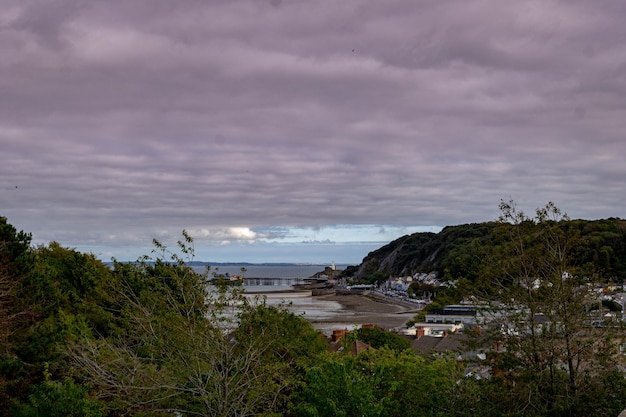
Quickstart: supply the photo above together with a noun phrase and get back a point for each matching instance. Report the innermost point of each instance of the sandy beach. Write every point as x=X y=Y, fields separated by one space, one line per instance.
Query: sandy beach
x=335 y=311
x=363 y=309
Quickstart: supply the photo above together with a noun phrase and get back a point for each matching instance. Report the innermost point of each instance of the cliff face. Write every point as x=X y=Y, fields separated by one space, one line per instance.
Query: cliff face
x=458 y=250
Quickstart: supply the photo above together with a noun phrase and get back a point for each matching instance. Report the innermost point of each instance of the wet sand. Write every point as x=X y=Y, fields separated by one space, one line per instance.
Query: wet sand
x=384 y=312
x=363 y=309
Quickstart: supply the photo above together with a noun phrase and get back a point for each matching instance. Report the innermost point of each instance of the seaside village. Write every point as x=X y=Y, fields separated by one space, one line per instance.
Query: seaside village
x=463 y=330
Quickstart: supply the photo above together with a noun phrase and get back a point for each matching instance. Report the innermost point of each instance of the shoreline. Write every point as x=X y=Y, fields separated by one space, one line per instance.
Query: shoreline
x=365 y=309
x=356 y=309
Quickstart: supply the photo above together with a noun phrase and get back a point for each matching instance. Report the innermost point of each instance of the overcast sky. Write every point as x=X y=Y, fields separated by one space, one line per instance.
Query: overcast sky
x=303 y=130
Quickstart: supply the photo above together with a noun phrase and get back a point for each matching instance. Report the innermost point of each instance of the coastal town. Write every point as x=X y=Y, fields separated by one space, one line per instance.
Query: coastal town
x=154 y=335
x=465 y=330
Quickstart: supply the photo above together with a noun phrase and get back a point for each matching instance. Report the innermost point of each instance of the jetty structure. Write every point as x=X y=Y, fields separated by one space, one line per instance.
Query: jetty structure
x=320 y=283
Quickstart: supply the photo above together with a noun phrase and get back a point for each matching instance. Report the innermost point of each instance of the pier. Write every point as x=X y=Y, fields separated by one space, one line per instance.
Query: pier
x=284 y=282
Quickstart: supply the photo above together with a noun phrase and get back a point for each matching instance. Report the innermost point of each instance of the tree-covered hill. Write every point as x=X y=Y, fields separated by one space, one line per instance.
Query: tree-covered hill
x=80 y=338
x=461 y=251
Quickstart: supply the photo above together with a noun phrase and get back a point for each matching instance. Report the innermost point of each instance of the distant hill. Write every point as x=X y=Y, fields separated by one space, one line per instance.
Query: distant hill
x=205 y=263
x=457 y=251
x=244 y=264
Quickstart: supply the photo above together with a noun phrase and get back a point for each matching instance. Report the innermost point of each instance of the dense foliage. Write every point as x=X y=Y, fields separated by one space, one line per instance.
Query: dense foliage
x=154 y=337
x=379 y=338
x=381 y=383
x=458 y=251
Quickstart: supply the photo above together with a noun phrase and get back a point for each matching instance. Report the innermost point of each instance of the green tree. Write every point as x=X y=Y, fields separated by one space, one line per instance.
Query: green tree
x=288 y=342
x=191 y=345
x=58 y=298
x=15 y=262
x=58 y=399
x=379 y=338
x=554 y=345
x=380 y=382
x=64 y=292
x=411 y=385
x=335 y=386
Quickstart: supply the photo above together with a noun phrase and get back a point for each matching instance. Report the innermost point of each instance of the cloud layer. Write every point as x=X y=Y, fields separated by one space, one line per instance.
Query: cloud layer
x=253 y=121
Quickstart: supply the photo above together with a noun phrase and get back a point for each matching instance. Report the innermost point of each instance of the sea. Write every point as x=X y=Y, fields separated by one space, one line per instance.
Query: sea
x=272 y=283
x=295 y=271
x=267 y=278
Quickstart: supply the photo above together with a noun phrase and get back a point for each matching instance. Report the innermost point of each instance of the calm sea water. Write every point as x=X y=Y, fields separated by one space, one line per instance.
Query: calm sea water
x=300 y=303
x=284 y=276
x=269 y=271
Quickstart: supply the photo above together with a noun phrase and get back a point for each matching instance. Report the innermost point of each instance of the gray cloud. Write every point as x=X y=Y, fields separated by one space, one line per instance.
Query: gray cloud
x=120 y=121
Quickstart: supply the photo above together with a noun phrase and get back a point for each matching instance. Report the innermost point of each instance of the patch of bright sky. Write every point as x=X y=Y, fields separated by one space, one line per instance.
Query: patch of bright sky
x=345 y=244
x=352 y=233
